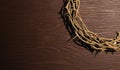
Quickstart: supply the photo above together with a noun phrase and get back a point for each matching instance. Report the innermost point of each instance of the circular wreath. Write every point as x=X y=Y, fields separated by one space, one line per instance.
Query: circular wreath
x=81 y=34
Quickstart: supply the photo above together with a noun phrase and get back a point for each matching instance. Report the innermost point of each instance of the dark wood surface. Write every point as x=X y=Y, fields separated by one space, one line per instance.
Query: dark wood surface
x=34 y=36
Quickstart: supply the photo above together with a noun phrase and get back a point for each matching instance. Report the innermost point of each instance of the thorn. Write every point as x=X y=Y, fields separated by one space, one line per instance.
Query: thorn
x=71 y=38
x=74 y=37
x=96 y=53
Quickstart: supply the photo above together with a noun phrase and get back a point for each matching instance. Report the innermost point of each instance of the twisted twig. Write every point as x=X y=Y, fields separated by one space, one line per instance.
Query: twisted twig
x=81 y=34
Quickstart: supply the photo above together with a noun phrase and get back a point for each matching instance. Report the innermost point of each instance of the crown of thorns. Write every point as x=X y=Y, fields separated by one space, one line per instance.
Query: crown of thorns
x=81 y=34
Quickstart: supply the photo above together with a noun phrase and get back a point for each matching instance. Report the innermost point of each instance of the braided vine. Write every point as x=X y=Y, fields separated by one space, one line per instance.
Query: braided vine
x=81 y=34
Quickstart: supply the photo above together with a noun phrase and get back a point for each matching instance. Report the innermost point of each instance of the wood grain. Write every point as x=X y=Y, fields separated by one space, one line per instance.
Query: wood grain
x=34 y=36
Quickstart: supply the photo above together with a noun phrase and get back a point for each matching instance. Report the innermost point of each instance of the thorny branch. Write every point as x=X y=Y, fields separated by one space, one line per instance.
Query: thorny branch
x=81 y=34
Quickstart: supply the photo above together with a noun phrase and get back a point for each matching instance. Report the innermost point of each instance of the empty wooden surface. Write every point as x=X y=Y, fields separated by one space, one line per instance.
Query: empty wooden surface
x=34 y=36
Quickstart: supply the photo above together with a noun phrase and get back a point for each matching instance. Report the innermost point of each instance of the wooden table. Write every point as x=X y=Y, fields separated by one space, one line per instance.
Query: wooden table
x=34 y=36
